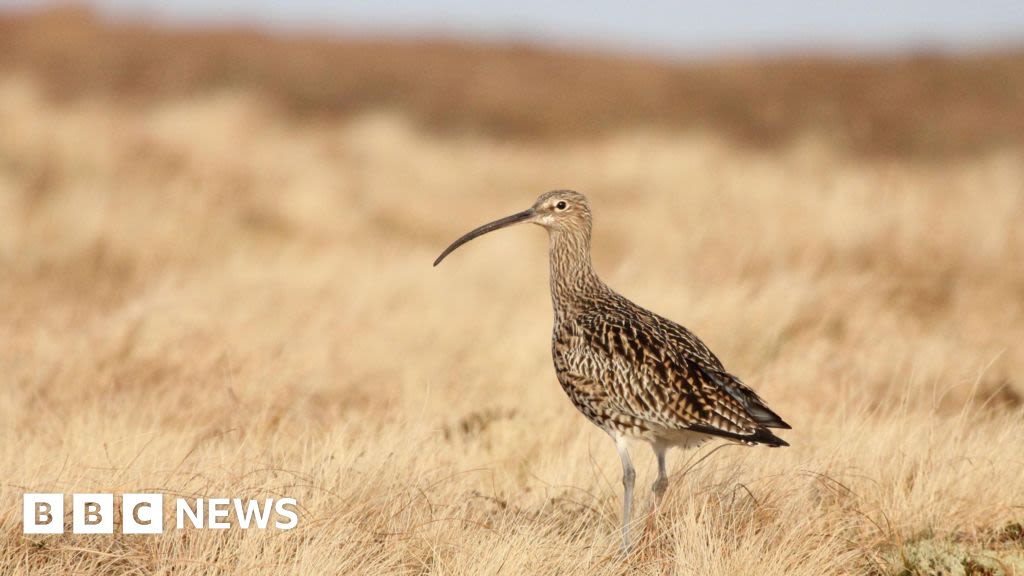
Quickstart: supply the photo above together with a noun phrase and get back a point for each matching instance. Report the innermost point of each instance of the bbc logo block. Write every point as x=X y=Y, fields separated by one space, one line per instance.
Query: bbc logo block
x=142 y=513
x=93 y=513
x=43 y=513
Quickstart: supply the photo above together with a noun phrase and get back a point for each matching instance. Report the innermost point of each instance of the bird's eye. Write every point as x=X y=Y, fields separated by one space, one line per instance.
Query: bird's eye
x=561 y=205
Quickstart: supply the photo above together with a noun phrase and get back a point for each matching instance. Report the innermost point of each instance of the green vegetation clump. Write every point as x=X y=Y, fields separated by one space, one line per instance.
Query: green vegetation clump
x=1004 y=557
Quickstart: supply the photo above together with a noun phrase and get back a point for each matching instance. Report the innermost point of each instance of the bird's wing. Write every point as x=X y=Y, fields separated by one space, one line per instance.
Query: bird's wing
x=692 y=350
x=659 y=372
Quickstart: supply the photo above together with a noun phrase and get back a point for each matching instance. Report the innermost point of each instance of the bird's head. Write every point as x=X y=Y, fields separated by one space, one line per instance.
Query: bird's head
x=562 y=210
x=559 y=211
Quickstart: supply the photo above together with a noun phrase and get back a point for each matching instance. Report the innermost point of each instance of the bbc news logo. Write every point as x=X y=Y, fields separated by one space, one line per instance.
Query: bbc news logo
x=144 y=513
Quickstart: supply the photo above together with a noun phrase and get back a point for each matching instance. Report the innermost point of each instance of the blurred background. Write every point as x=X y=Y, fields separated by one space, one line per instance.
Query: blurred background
x=910 y=78
x=217 y=221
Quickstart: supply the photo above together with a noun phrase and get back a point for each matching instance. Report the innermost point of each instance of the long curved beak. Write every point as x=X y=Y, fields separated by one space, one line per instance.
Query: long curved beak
x=491 y=227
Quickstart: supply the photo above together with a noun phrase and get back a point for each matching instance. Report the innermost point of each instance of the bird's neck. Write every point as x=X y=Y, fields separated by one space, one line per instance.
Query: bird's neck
x=572 y=276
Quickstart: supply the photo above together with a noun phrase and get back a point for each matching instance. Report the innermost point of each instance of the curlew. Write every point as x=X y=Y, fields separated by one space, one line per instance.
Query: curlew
x=633 y=373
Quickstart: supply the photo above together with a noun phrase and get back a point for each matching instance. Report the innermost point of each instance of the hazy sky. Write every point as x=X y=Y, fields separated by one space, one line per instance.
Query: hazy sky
x=671 y=28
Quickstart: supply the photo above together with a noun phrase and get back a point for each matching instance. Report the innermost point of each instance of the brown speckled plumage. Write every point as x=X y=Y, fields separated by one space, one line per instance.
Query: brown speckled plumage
x=634 y=374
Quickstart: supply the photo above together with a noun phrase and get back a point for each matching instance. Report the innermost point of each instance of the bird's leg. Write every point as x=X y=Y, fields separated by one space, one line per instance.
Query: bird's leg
x=662 y=482
x=628 y=479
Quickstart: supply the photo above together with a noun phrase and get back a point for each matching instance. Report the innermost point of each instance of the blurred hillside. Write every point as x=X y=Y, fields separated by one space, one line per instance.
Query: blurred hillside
x=922 y=106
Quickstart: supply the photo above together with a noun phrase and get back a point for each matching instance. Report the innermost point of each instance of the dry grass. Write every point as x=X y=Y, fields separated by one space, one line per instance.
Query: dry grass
x=204 y=297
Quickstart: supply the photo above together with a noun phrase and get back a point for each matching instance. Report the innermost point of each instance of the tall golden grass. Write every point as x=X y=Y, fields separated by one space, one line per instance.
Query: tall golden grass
x=204 y=296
